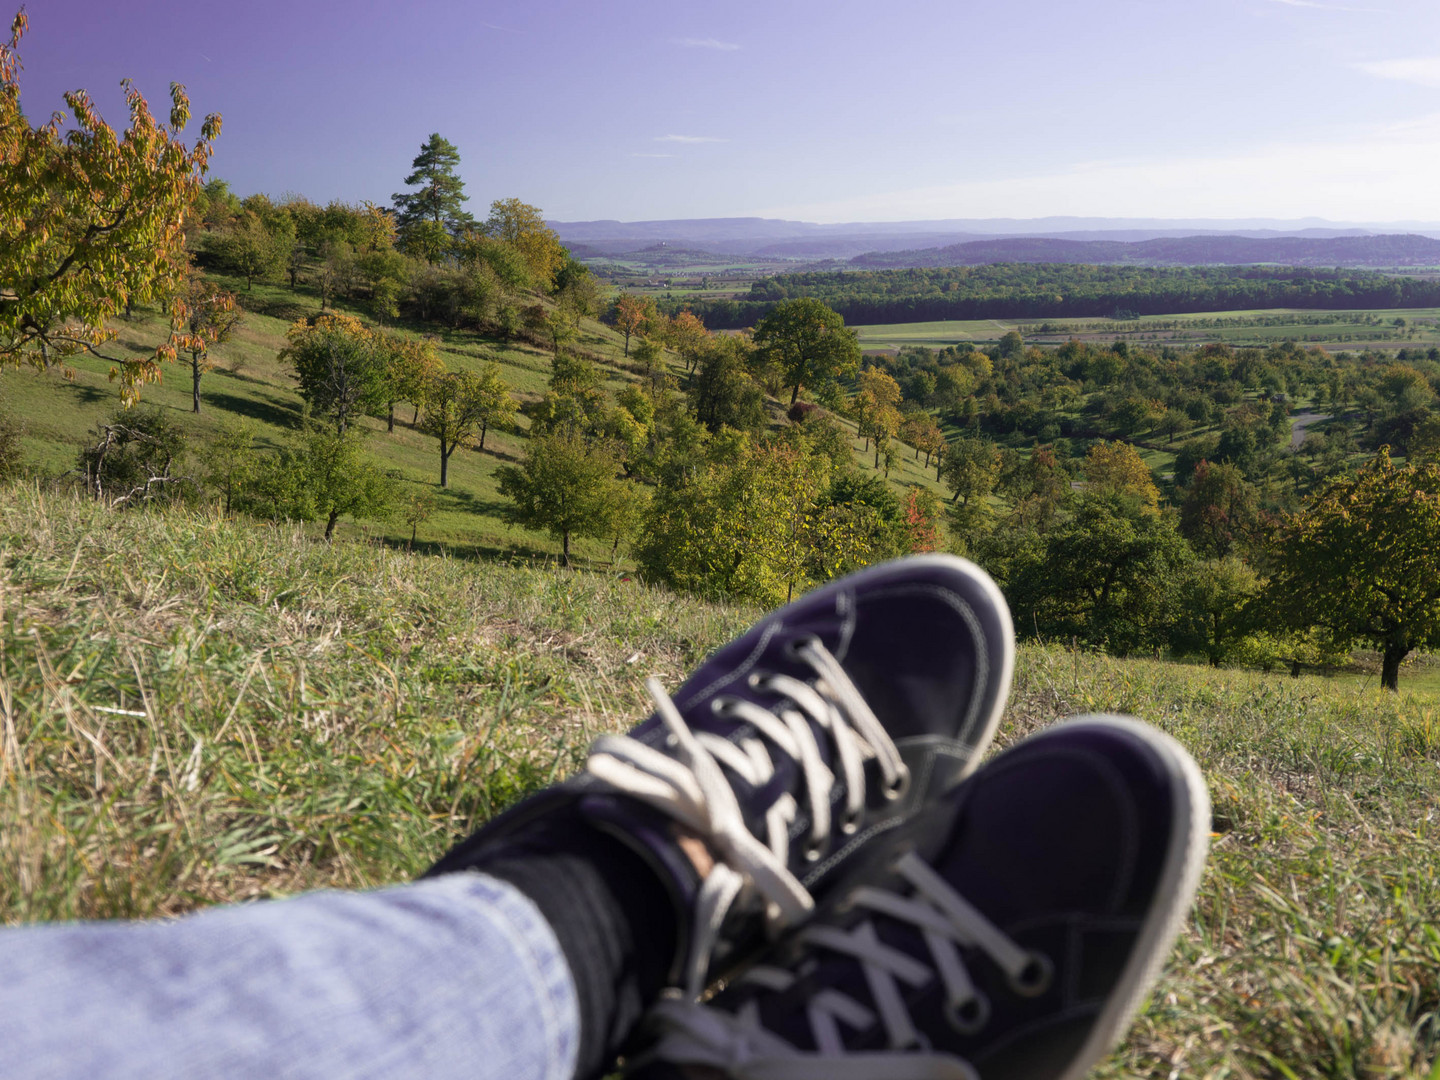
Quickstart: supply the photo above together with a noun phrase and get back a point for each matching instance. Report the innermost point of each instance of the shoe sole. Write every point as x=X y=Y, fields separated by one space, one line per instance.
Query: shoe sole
x=1175 y=891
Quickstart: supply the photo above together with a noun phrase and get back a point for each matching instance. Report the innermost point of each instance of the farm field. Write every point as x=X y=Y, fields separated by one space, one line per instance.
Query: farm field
x=1333 y=330
x=299 y=715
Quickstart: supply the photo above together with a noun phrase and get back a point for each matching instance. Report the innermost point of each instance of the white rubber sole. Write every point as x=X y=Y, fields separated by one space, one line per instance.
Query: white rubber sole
x=1175 y=892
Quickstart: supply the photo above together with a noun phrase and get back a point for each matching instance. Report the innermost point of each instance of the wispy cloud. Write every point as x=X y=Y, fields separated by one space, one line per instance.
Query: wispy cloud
x=707 y=43
x=688 y=138
x=652 y=155
x=1420 y=70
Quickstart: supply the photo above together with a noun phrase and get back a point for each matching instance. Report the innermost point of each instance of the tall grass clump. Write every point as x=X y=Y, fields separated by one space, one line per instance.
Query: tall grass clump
x=196 y=710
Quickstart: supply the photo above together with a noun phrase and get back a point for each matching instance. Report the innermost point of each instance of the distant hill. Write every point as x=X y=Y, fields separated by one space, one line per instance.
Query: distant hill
x=1336 y=251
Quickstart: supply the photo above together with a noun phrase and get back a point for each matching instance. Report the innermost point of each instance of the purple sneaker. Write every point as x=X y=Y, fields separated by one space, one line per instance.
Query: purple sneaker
x=792 y=749
x=1009 y=933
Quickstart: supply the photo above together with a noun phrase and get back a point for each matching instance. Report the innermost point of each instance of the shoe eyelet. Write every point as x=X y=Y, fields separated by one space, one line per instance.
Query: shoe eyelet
x=850 y=826
x=969 y=1016
x=813 y=852
x=721 y=706
x=757 y=680
x=1035 y=977
x=899 y=787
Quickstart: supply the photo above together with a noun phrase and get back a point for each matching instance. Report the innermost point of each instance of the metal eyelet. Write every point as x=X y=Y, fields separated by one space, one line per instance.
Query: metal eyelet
x=813 y=852
x=899 y=787
x=757 y=680
x=969 y=1016
x=850 y=826
x=1035 y=977
x=721 y=706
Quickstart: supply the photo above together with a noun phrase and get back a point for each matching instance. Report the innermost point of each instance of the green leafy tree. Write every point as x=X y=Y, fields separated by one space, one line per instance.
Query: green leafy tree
x=439 y=193
x=971 y=470
x=339 y=367
x=722 y=391
x=411 y=364
x=1107 y=577
x=257 y=247
x=1362 y=562
x=91 y=223
x=231 y=460
x=1213 y=614
x=807 y=343
x=523 y=227
x=1219 y=510
x=453 y=409
x=567 y=486
x=325 y=475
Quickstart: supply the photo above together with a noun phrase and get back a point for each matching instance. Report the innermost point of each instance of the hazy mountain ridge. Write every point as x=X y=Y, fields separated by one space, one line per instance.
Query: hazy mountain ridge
x=1346 y=251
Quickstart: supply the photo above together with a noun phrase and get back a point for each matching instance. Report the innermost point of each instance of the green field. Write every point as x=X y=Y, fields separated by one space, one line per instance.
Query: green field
x=299 y=715
x=248 y=380
x=1328 y=329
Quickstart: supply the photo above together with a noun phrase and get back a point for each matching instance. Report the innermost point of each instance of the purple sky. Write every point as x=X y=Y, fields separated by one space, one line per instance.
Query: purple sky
x=825 y=110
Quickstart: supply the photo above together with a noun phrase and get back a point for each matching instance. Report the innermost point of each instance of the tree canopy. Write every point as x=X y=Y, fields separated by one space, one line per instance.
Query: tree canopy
x=808 y=344
x=439 y=191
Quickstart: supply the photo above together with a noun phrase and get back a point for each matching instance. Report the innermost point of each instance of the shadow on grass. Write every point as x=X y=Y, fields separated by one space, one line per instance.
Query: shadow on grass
x=265 y=407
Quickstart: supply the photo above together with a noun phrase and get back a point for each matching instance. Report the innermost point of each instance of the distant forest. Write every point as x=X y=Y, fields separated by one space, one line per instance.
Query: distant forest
x=1055 y=290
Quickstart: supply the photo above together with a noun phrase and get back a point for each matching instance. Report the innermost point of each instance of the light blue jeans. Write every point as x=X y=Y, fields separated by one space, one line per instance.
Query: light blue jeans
x=457 y=976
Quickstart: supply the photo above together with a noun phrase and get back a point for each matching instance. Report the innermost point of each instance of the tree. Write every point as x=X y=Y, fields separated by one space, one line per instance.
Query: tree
x=91 y=223
x=410 y=366
x=686 y=335
x=808 y=343
x=922 y=512
x=566 y=486
x=439 y=191
x=1117 y=468
x=1219 y=509
x=722 y=393
x=340 y=369
x=922 y=431
x=971 y=469
x=231 y=460
x=452 y=412
x=1362 y=562
x=494 y=405
x=523 y=227
x=252 y=248
x=211 y=316
x=1212 y=616
x=629 y=313
x=326 y=476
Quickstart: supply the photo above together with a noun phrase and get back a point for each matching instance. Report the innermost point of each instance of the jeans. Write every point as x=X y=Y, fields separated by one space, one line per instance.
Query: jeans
x=456 y=976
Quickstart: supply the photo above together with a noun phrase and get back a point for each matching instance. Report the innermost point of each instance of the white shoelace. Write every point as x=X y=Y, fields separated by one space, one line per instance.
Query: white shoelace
x=738 y=1044
x=691 y=788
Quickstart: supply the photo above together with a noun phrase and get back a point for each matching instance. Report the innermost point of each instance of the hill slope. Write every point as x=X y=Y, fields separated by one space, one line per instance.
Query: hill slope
x=197 y=710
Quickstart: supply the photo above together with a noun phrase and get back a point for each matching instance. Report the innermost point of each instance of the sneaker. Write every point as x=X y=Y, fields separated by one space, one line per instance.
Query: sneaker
x=1009 y=933
x=793 y=748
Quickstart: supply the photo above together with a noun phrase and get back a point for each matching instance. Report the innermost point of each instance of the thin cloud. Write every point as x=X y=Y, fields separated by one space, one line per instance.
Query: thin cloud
x=1321 y=7
x=707 y=43
x=688 y=138
x=652 y=155
x=1420 y=70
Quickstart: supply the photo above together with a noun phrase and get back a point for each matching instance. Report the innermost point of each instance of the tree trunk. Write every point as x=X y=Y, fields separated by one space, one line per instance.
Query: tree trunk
x=444 y=464
x=415 y=416
x=614 y=551
x=330 y=525
x=627 y=344
x=565 y=544
x=1390 y=665
x=795 y=393
x=390 y=419
x=195 y=382
x=413 y=528
x=877 y=455
x=484 y=427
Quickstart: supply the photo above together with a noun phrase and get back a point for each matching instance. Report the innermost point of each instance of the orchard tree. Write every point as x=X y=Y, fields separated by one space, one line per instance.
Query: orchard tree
x=438 y=193
x=922 y=431
x=323 y=475
x=91 y=223
x=1117 y=468
x=1362 y=562
x=523 y=227
x=567 y=486
x=807 y=343
x=629 y=313
x=339 y=367
x=452 y=412
x=410 y=366
x=211 y=316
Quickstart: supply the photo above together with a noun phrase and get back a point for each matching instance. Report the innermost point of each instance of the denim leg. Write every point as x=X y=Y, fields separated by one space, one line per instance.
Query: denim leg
x=456 y=976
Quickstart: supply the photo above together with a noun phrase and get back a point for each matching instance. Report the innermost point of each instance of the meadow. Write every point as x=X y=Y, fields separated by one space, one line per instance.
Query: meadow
x=248 y=380
x=196 y=710
x=1331 y=330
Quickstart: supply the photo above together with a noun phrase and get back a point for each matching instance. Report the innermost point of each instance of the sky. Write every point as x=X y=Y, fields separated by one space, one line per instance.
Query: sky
x=814 y=110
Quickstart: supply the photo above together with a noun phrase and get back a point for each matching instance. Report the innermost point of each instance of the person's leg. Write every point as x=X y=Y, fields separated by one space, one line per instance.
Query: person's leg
x=458 y=977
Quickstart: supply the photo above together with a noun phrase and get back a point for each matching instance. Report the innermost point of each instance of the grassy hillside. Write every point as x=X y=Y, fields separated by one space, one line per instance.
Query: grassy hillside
x=194 y=710
x=249 y=381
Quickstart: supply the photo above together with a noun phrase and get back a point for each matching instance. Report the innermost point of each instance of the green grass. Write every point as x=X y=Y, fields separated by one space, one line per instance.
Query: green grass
x=195 y=710
x=1351 y=330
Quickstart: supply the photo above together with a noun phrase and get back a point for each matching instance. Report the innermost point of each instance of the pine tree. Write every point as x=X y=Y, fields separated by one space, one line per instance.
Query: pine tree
x=440 y=191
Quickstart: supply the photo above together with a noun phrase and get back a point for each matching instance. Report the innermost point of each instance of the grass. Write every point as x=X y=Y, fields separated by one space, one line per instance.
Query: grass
x=195 y=710
x=249 y=381
x=1335 y=330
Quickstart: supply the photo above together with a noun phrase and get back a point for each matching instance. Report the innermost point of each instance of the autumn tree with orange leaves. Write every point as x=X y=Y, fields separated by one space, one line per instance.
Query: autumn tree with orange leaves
x=91 y=221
